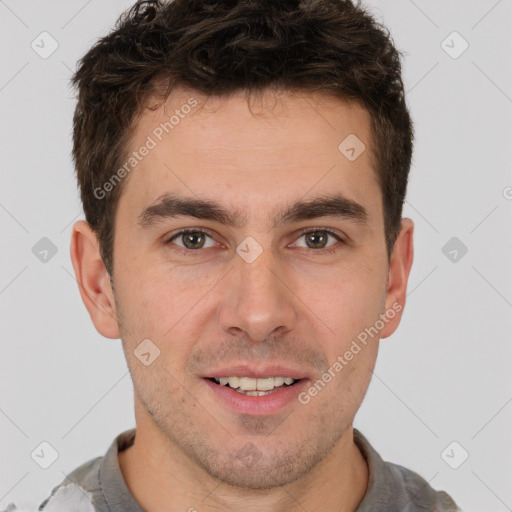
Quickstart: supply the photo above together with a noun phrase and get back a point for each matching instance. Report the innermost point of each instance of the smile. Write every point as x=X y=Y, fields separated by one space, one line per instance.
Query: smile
x=255 y=387
x=262 y=396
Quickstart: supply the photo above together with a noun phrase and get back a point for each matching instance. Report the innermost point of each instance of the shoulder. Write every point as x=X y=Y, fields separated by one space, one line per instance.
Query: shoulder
x=76 y=490
x=418 y=494
x=83 y=490
x=394 y=488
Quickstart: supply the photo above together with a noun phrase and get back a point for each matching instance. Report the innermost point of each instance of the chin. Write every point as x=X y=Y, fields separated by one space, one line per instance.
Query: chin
x=248 y=468
x=261 y=479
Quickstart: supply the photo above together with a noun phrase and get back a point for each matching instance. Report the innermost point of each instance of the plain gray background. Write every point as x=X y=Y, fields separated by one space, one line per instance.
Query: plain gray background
x=443 y=377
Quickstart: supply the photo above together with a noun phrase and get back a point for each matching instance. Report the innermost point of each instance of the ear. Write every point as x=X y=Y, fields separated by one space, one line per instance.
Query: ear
x=93 y=279
x=399 y=269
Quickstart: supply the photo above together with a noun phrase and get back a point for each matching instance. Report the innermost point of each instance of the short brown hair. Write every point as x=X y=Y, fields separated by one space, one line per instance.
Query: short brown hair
x=218 y=47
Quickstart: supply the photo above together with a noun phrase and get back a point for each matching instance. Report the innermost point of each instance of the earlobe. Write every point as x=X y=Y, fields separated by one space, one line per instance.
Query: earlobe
x=93 y=279
x=399 y=270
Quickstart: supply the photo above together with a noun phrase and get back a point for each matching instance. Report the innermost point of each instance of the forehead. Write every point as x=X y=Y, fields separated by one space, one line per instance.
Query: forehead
x=253 y=152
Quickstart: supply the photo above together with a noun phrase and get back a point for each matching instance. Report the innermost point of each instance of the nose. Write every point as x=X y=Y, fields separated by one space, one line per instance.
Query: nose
x=259 y=302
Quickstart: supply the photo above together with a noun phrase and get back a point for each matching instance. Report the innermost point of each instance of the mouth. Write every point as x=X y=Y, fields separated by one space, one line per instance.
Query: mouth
x=256 y=392
x=255 y=386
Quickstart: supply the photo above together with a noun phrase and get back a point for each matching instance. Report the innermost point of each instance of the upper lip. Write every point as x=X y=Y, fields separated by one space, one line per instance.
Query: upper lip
x=257 y=372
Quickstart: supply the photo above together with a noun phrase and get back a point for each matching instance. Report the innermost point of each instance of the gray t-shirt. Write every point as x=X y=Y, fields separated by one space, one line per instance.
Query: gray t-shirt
x=99 y=486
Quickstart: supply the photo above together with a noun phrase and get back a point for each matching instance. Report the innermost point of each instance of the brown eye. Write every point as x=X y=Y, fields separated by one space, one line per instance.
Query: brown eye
x=319 y=238
x=192 y=239
x=316 y=239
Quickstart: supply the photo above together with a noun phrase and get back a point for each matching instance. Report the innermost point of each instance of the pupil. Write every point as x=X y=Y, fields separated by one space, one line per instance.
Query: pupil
x=314 y=235
x=189 y=240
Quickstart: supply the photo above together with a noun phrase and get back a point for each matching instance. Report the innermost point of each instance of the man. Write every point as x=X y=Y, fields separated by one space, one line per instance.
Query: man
x=242 y=168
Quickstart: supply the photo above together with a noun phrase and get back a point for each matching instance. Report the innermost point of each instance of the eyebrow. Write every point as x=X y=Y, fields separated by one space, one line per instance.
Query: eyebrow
x=174 y=205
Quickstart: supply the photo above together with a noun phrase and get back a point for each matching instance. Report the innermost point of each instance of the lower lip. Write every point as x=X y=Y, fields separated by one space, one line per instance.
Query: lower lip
x=257 y=405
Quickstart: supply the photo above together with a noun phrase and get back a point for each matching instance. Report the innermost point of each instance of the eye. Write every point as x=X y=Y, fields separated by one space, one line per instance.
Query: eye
x=192 y=239
x=318 y=239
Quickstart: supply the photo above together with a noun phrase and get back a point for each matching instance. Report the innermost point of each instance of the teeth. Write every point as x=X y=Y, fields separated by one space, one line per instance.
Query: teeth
x=247 y=384
x=233 y=382
x=255 y=385
x=252 y=393
x=264 y=384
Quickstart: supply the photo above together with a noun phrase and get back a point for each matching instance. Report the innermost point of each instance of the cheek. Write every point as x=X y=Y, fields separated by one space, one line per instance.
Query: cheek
x=165 y=309
x=149 y=292
x=348 y=300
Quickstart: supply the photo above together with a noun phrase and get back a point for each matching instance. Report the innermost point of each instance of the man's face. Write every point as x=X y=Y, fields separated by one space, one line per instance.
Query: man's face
x=287 y=303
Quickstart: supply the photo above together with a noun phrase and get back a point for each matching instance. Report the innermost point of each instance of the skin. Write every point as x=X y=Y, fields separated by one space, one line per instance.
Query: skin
x=208 y=307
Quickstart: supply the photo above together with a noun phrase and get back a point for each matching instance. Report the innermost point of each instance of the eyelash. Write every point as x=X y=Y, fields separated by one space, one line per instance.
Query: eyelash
x=305 y=231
